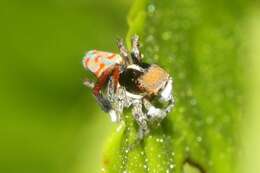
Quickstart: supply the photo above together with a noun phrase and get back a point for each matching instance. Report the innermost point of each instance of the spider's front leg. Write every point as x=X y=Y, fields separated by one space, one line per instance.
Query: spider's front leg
x=140 y=118
x=103 y=102
x=135 y=52
x=115 y=76
x=124 y=53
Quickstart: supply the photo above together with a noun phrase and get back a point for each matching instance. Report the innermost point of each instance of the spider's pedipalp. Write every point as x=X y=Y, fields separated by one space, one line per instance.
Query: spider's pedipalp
x=153 y=113
x=88 y=83
x=124 y=53
x=135 y=52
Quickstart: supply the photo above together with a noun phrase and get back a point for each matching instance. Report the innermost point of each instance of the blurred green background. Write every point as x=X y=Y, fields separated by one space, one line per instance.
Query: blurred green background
x=45 y=110
x=46 y=114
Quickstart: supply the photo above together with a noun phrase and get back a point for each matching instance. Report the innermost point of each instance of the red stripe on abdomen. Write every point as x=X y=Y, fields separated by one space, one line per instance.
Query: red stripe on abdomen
x=86 y=61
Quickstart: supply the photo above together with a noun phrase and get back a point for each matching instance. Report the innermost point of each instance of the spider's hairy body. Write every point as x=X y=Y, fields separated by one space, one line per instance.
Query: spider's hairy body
x=99 y=61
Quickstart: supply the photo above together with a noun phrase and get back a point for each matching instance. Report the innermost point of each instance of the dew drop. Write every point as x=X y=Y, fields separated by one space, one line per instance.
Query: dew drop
x=187 y=148
x=166 y=35
x=199 y=139
x=151 y=8
x=118 y=129
x=172 y=166
x=150 y=38
x=156 y=57
x=182 y=109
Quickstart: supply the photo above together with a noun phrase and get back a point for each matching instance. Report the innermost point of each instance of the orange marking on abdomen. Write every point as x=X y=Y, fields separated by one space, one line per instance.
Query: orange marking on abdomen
x=101 y=66
x=111 y=56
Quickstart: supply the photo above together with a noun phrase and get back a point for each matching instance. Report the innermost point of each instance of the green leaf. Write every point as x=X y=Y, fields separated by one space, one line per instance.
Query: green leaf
x=198 y=43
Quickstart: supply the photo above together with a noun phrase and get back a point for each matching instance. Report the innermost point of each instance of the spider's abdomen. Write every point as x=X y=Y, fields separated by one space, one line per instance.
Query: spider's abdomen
x=98 y=61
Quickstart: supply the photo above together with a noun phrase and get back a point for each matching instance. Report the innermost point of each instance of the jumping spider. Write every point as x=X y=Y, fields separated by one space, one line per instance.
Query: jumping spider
x=125 y=81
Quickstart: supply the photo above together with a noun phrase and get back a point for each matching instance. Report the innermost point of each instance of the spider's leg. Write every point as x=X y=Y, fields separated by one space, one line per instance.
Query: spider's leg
x=102 y=101
x=140 y=118
x=115 y=76
x=118 y=98
x=124 y=53
x=135 y=52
